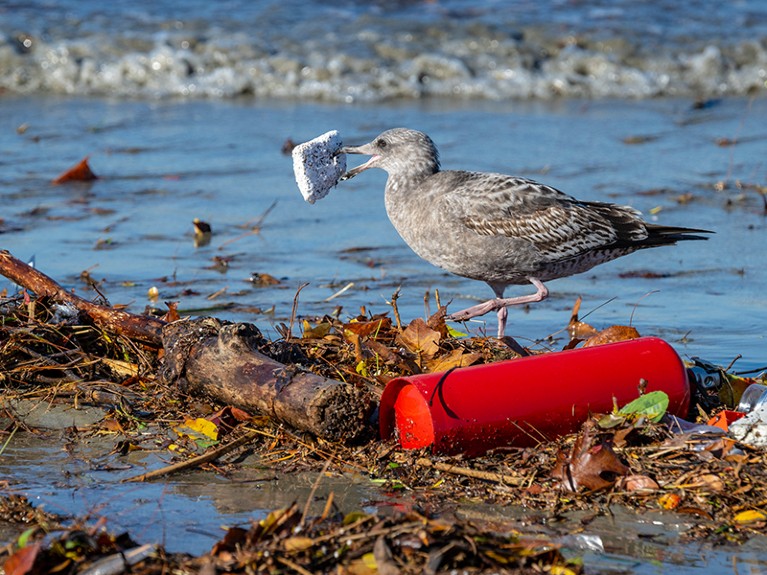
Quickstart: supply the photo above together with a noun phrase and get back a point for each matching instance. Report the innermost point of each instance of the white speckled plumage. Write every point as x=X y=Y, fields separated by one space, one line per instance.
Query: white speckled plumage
x=497 y=228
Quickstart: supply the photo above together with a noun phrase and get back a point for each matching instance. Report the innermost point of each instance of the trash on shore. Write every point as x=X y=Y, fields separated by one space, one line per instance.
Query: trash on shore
x=529 y=400
x=640 y=453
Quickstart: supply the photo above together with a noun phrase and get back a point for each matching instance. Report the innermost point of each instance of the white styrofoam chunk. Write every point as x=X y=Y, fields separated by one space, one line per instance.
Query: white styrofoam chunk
x=752 y=428
x=318 y=166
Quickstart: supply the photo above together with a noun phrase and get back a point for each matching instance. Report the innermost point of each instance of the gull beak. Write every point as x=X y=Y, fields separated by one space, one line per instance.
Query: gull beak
x=365 y=149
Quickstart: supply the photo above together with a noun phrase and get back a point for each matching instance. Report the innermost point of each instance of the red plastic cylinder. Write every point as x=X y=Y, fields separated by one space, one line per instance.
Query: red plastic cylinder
x=529 y=400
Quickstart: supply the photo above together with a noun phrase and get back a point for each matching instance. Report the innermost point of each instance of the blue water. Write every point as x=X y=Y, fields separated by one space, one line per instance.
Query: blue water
x=162 y=164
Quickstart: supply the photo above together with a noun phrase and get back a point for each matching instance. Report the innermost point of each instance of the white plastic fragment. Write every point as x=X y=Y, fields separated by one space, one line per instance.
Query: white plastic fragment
x=752 y=428
x=318 y=166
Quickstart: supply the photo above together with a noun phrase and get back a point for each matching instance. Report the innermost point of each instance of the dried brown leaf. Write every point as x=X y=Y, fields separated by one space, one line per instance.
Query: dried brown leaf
x=592 y=463
x=456 y=358
x=709 y=482
x=639 y=483
x=366 y=328
x=612 y=334
x=420 y=339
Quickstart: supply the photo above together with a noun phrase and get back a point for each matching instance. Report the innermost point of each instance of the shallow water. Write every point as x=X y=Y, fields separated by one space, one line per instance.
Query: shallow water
x=163 y=163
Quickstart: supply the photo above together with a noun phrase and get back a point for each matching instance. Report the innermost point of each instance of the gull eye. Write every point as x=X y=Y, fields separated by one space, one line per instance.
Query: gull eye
x=381 y=143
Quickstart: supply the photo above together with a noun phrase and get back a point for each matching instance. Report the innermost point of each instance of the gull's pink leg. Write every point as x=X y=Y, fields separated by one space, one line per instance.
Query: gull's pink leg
x=500 y=304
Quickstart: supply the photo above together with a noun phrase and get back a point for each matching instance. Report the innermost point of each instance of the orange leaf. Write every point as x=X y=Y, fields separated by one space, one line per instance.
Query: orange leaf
x=79 y=173
x=172 y=314
x=612 y=334
x=22 y=561
x=669 y=501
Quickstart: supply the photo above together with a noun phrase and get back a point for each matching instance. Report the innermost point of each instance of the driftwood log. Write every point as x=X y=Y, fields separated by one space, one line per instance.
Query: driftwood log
x=221 y=360
x=207 y=353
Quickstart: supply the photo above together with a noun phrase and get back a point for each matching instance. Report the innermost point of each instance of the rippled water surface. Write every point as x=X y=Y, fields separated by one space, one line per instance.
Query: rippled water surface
x=162 y=164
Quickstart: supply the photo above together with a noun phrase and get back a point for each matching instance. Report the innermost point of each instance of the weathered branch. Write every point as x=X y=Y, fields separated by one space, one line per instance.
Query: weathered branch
x=140 y=327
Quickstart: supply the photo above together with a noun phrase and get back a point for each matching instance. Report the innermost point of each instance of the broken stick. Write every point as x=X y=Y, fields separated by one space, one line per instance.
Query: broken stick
x=146 y=329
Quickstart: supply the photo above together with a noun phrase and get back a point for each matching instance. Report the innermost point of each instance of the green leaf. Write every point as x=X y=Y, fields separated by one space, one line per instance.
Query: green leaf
x=26 y=537
x=611 y=420
x=652 y=405
x=455 y=333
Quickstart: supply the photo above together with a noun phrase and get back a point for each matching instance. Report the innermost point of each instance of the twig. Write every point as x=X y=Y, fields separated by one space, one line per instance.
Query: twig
x=395 y=309
x=636 y=304
x=10 y=436
x=291 y=565
x=294 y=311
x=343 y=290
x=196 y=461
x=467 y=472
x=313 y=491
x=254 y=228
x=145 y=328
x=259 y=221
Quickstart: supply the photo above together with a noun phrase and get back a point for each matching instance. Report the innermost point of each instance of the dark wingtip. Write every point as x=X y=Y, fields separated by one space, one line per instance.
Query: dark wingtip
x=677 y=234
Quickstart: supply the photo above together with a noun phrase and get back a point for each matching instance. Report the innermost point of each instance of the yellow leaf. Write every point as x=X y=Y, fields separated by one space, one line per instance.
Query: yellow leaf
x=194 y=428
x=362 y=368
x=369 y=561
x=298 y=543
x=452 y=332
x=365 y=565
x=561 y=570
x=750 y=516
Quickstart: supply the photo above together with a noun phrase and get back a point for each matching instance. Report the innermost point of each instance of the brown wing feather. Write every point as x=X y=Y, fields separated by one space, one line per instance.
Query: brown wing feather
x=558 y=225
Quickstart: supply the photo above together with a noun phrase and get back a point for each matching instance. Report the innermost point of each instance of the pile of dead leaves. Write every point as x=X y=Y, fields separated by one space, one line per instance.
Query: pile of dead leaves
x=634 y=461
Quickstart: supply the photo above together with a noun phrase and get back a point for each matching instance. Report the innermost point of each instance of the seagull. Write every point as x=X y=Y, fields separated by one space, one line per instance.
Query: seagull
x=500 y=229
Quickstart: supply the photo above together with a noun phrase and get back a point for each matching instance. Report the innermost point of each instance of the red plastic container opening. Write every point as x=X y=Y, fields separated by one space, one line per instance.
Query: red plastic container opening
x=530 y=400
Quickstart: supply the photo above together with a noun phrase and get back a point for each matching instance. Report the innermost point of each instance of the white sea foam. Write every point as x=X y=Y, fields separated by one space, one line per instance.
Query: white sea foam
x=311 y=51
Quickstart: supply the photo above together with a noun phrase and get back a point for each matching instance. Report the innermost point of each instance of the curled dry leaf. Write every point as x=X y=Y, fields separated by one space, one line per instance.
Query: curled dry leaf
x=420 y=339
x=592 y=463
x=706 y=482
x=456 y=358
